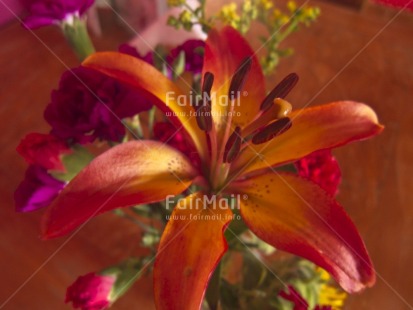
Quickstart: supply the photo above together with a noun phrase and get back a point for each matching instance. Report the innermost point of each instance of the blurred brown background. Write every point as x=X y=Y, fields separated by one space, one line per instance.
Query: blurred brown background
x=364 y=54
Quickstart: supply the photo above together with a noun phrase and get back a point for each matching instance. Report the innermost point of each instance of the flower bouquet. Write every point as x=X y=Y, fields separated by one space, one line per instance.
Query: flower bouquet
x=223 y=177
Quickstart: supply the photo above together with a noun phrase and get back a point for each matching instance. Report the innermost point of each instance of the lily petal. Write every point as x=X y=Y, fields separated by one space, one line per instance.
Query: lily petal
x=313 y=129
x=139 y=74
x=190 y=249
x=297 y=216
x=131 y=173
x=224 y=52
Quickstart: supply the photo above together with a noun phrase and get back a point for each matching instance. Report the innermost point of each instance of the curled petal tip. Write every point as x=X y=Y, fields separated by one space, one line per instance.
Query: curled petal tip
x=297 y=216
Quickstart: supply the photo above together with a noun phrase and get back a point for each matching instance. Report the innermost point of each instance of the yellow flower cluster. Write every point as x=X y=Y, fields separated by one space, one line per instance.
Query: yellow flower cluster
x=304 y=14
x=265 y=4
x=330 y=295
x=184 y=20
x=311 y=12
x=278 y=23
x=247 y=6
x=278 y=17
x=185 y=17
x=175 y=3
x=292 y=6
x=229 y=15
x=241 y=19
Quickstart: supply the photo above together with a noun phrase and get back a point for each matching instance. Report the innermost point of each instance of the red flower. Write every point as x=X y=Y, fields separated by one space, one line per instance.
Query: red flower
x=91 y=292
x=167 y=133
x=43 y=150
x=398 y=3
x=89 y=105
x=322 y=168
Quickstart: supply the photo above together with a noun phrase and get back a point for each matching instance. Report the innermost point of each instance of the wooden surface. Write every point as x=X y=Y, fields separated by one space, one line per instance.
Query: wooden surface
x=341 y=57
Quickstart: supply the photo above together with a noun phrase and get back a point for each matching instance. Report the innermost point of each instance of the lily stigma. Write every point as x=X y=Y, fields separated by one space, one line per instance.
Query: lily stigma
x=237 y=149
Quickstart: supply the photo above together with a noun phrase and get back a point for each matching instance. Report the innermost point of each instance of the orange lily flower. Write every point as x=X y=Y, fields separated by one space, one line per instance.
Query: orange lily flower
x=239 y=145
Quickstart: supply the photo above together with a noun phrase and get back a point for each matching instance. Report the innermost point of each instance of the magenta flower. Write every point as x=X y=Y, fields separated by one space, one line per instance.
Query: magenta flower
x=322 y=168
x=53 y=12
x=193 y=49
x=37 y=190
x=131 y=51
x=91 y=292
x=194 y=56
x=43 y=150
x=89 y=105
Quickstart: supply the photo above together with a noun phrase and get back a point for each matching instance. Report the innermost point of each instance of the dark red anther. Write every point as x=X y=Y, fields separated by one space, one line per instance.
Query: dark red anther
x=203 y=105
x=280 y=91
x=233 y=146
x=203 y=116
x=272 y=130
x=207 y=84
x=239 y=78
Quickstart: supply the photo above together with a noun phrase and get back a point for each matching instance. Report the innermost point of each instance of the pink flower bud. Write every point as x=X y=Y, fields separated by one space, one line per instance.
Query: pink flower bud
x=91 y=292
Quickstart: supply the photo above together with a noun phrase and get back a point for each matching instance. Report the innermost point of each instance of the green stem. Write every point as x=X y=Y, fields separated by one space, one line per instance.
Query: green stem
x=151 y=120
x=138 y=126
x=201 y=20
x=189 y=8
x=142 y=225
x=291 y=27
x=212 y=293
x=78 y=38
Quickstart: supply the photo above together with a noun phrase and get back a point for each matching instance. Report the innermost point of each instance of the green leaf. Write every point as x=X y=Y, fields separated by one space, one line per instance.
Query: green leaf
x=127 y=273
x=253 y=272
x=73 y=163
x=150 y=239
x=179 y=64
x=159 y=59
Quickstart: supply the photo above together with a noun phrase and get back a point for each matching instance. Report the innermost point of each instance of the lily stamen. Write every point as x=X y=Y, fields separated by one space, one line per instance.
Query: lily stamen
x=237 y=84
x=280 y=91
x=203 y=105
x=207 y=86
x=239 y=78
x=203 y=115
x=233 y=146
x=272 y=130
x=280 y=108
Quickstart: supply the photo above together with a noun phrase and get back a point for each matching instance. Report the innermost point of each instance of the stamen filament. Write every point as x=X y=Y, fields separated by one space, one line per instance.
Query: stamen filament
x=218 y=173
